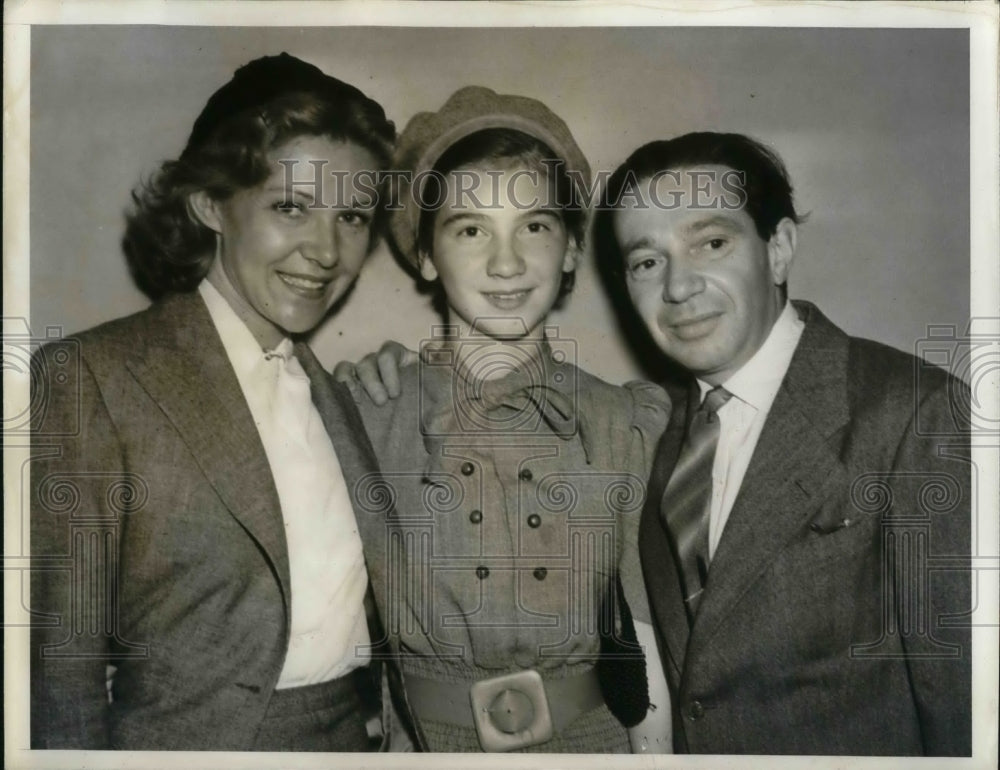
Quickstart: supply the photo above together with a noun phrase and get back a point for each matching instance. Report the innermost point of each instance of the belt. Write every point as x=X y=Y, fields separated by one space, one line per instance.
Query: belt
x=510 y=711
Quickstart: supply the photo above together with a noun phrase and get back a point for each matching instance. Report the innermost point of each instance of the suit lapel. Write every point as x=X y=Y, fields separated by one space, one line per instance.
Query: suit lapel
x=659 y=567
x=794 y=462
x=347 y=432
x=372 y=507
x=187 y=372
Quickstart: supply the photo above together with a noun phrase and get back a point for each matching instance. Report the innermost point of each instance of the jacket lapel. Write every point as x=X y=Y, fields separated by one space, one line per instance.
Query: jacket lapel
x=659 y=566
x=347 y=432
x=794 y=462
x=369 y=494
x=373 y=509
x=187 y=372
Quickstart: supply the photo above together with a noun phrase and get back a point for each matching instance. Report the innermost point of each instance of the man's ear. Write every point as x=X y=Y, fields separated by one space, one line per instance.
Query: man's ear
x=781 y=250
x=205 y=209
x=427 y=269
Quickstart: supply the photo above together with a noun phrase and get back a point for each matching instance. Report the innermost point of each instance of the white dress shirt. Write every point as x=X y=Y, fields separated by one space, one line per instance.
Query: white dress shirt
x=329 y=631
x=742 y=418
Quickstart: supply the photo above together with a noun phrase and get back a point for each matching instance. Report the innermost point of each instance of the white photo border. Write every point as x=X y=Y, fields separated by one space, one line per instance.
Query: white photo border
x=980 y=18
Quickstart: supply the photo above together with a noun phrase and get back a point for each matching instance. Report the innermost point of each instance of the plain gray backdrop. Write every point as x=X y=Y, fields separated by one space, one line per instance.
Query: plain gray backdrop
x=873 y=126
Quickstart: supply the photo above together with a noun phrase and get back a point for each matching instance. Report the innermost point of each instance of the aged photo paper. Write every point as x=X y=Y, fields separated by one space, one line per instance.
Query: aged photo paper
x=885 y=114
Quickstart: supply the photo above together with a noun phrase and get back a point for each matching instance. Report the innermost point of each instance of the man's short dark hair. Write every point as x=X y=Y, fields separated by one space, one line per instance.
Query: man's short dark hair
x=766 y=187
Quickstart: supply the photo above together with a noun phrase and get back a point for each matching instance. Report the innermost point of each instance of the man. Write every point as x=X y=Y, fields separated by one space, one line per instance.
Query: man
x=790 y=516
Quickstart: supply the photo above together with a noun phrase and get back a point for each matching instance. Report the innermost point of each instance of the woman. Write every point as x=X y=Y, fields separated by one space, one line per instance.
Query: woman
x=207 y=581
x=514 y=474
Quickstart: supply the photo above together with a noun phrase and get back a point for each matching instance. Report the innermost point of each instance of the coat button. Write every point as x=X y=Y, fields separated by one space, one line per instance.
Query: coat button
x=476 y=516
x=467 y=469
x=534 y=521
x=540 y=573
x=482 y=572
x=695 y=711
x=525 y=474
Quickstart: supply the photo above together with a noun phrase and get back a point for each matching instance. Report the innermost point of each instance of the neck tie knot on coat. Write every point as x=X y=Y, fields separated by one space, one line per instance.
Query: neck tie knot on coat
x=715 y=399
x=535 y=397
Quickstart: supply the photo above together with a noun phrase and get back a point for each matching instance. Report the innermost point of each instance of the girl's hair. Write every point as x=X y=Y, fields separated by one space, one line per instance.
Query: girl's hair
x=167 y=249
x=504 y=148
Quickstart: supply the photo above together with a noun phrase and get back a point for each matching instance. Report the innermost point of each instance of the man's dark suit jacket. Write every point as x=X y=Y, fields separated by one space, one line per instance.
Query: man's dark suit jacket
x=157 y=537
x=835 y=615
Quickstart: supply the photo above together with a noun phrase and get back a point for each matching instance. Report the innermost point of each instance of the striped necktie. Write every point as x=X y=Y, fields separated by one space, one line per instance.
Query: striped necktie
x=687 y=499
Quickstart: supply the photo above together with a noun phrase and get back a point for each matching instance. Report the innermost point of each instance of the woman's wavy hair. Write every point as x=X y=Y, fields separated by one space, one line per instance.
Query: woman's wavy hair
x=167 y=248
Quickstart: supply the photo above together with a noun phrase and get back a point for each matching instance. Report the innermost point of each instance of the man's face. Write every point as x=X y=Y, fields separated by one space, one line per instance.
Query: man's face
x=704 y=282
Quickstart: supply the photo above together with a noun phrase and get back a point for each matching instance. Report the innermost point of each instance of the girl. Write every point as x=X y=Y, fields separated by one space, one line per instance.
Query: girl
x=516 y=476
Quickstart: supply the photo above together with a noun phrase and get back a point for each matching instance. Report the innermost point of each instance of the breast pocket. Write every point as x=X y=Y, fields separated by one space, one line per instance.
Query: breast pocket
x=831 y=536
x=823 y=589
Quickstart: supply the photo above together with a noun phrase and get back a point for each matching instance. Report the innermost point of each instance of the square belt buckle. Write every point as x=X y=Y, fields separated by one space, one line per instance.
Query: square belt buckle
x=511 y=711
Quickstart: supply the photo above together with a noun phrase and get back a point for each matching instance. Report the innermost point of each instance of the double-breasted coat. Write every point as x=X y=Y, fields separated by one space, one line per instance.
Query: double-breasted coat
x=514 y=507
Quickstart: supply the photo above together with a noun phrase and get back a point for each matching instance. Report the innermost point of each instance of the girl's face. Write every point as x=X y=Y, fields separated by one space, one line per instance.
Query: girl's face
x=289 y=248
x=500 y=249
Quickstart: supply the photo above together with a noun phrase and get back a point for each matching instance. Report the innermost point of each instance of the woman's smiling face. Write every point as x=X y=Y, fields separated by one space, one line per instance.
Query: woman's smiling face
x=290 y=247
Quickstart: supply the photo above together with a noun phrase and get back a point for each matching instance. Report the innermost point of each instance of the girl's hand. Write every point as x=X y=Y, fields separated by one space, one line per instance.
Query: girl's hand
x=377 y=374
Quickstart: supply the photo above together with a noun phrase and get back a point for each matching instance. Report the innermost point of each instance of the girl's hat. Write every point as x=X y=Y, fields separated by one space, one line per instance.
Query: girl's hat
x=429 y=134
